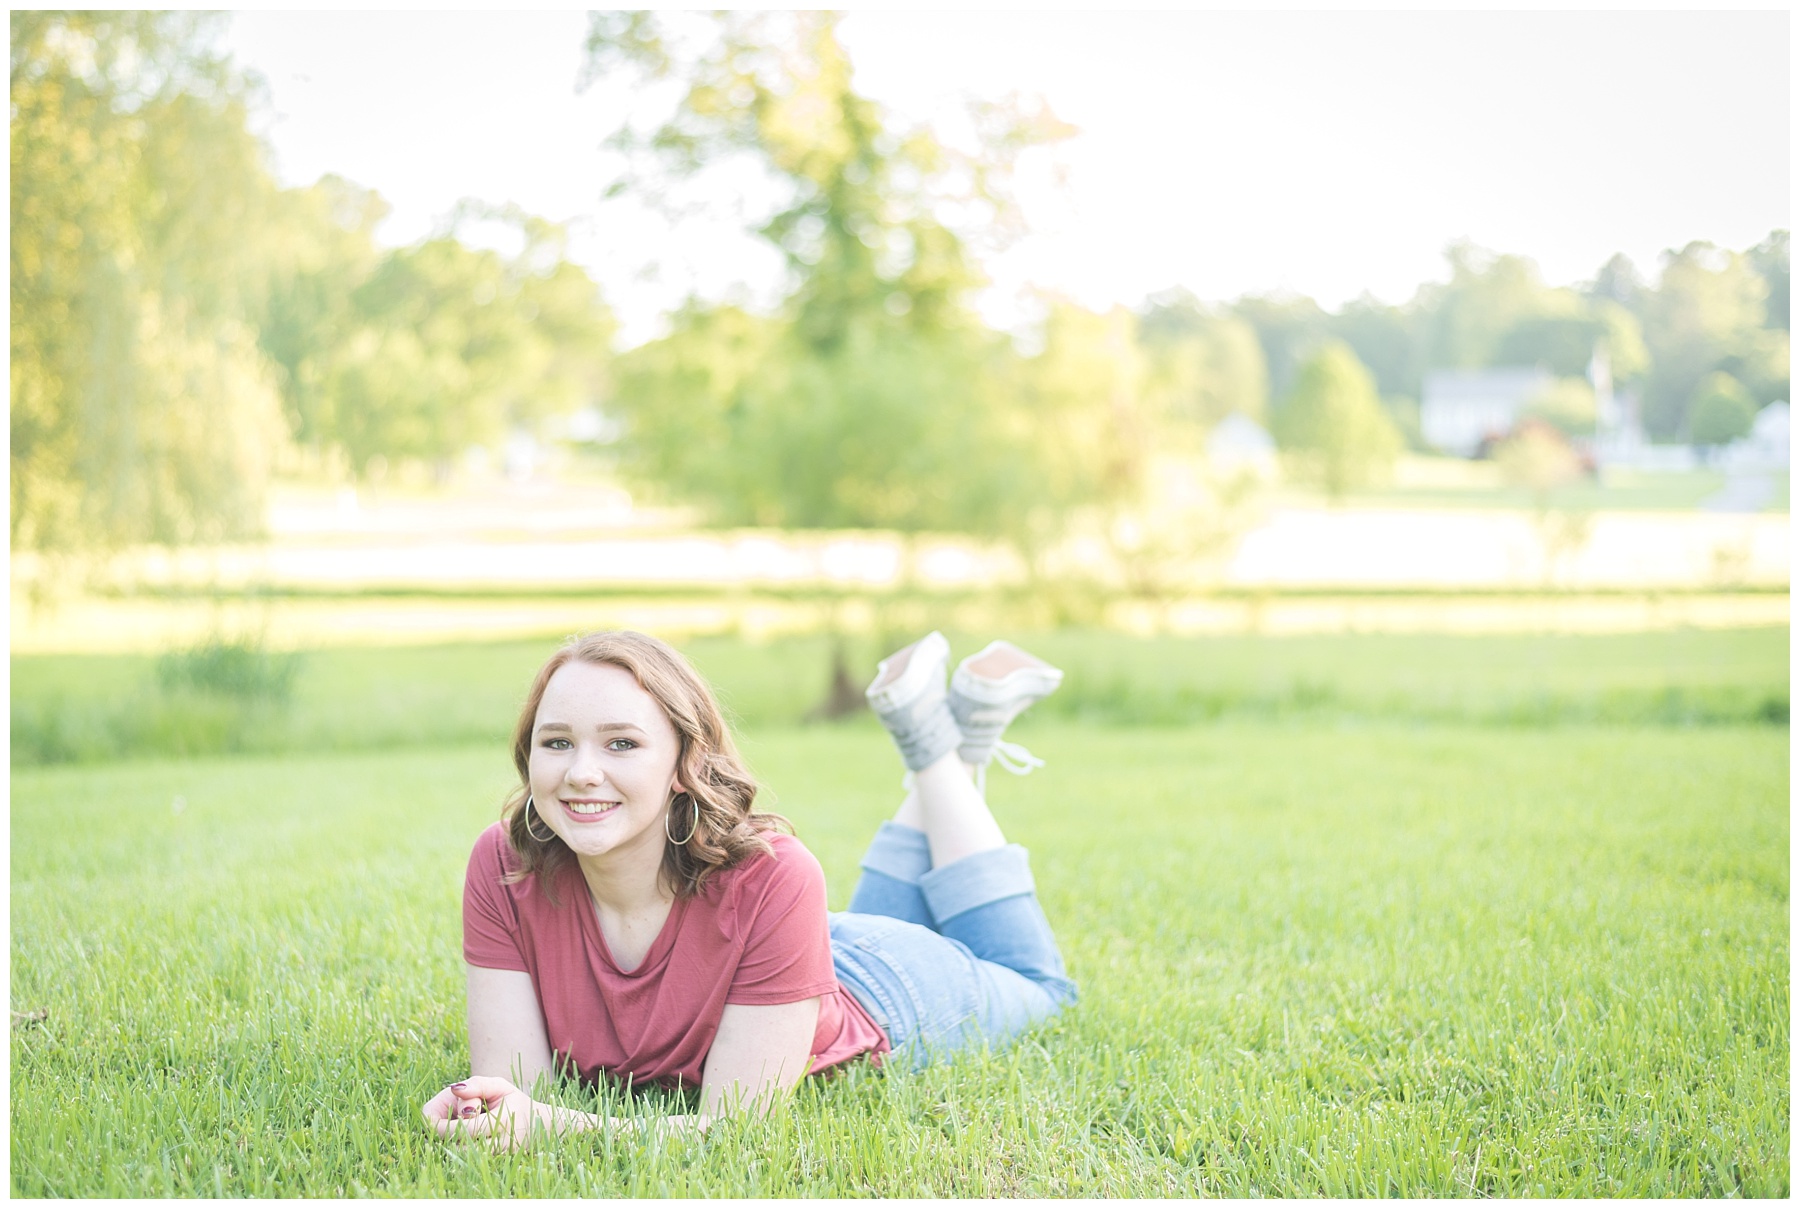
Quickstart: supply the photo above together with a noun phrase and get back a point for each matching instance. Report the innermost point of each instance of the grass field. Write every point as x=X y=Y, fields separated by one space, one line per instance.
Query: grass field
x=1454 y=483
x=1361 y=947
x=98 y=707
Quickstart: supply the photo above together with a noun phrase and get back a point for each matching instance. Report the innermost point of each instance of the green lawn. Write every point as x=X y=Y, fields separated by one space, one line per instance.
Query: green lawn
x=1479 y=485
x=1344 y=956
x=101 y=707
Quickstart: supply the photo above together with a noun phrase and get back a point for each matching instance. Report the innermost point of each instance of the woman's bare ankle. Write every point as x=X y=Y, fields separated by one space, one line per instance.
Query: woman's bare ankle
x=909 y=814
x=955 y=818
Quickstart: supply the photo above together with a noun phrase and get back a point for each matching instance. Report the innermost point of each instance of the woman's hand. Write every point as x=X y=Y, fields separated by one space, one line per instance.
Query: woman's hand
x=482 y=1106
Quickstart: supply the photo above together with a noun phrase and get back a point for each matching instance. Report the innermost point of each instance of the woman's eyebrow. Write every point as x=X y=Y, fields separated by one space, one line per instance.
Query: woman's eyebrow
x=604 y=726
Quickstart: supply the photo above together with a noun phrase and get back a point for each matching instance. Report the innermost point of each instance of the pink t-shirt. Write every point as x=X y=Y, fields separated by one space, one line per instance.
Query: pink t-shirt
x=757 y=935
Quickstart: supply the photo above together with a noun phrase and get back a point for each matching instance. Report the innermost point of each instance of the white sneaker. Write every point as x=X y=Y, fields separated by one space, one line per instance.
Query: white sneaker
x=908 y=696
x=988 y=691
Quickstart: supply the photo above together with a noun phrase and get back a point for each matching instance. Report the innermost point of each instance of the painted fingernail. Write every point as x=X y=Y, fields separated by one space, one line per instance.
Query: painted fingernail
x=458 y=1086
x=469 y=1110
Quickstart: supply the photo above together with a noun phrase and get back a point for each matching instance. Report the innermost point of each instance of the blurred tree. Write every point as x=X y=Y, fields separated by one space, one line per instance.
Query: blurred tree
x=1487 y=296
x=325 y=251
x=1386 y=339
x=1087 y=394
x=1770 y=260
x=1759 y=360
x=1564 y=342
x=170 y=303
x=1538 y=457
x=571 y=331
x=1721 y=411
x=736 y=413
x=440 y=350
x=860 y=223
x=1290 y=327
x=681 y=397
x=1206 y=364
x=871 y=402
x=1622 y=336
x=1567 y=405
x=1709 y=306
x=561 y=329
x=1619 y=282
x=141 y=407
x=1404 y=411
x=1118 y=453
x=424 y=351
x=1332 y=428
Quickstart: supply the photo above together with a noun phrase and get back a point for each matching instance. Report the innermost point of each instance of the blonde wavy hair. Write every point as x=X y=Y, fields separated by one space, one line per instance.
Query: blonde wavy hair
x=728 y=829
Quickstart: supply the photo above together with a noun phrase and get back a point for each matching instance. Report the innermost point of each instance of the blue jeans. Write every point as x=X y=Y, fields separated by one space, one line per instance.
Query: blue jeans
x=947 y=959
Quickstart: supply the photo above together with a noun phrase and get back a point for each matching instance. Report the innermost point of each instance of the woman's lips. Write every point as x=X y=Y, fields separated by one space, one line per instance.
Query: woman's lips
x=574 y=811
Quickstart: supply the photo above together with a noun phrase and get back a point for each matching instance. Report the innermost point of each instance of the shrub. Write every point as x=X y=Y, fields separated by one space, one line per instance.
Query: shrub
x=1567 y=405
x=244 y=669
x=1332 y=427
x=1539 y=458
x=1722 y=411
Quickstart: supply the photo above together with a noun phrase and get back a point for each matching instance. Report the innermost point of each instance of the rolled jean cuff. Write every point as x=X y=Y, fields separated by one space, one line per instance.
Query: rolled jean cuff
x=899 y=851
x=975 y=881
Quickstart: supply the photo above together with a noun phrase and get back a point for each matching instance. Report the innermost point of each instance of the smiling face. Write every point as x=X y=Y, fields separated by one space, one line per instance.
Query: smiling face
x=603 y=757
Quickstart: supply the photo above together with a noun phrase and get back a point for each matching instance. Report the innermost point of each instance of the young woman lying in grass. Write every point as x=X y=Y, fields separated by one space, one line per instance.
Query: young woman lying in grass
x=632 y=914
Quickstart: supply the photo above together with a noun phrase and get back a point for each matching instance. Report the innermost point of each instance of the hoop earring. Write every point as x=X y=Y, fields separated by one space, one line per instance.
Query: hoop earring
x=542 y=839
x=695 y=802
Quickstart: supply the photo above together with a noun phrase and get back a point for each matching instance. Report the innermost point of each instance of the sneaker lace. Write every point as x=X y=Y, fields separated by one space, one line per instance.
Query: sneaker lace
x=1012 y=757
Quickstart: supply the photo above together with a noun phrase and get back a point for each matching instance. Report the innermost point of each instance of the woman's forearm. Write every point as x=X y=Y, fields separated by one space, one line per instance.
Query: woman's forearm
x=560 y=1120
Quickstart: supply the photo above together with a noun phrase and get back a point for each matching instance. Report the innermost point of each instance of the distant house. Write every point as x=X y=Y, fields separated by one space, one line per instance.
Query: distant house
x=1461 y=409
x=1765 y=449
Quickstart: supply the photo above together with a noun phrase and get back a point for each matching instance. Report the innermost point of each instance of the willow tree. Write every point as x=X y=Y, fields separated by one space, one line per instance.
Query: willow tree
x=142 y=409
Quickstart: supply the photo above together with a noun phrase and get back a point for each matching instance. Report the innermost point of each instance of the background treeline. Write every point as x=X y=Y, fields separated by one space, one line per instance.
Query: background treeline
x=183 y=328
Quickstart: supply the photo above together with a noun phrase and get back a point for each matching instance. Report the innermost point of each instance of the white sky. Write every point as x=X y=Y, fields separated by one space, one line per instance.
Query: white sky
x=1228 y=152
